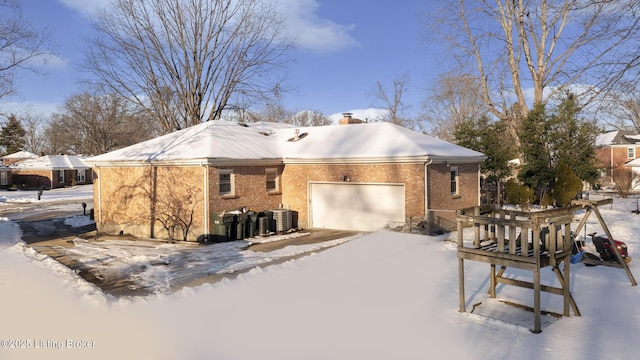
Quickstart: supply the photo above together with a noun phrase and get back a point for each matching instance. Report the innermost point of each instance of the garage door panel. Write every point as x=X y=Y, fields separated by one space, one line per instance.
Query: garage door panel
x=356 y=206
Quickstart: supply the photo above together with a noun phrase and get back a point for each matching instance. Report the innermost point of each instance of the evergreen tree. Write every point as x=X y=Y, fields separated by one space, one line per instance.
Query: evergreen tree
x=572 y=139
x=552 y=138
x=537 y=171
x=12 y=136
x=488 y=138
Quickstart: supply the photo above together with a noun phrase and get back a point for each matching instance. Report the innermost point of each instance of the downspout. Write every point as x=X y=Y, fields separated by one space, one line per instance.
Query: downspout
x=99 y=196
x=611 y=163
x=206 y=200
x=426 y=190
x=479 y=188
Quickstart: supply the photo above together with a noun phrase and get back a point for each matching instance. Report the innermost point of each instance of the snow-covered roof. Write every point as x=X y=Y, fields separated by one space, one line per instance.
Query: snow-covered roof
x=218 y=139
x=369 y=141
x=226 y=140
x=617 y=137
x=53 y=162
x=633 y=163
x=21 y=155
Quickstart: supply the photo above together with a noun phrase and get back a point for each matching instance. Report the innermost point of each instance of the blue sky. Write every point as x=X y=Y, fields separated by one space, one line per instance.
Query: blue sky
x=344 y=48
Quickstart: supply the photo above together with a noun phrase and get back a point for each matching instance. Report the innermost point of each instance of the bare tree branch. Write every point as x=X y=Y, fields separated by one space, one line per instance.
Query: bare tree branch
x=20 y=45
x=542 y=45
x=187 y=61
x=454 y=100
x=93 y=124
x=392 y=101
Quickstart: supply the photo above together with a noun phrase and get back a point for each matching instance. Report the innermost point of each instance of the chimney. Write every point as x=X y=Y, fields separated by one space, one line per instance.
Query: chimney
x=348 y=119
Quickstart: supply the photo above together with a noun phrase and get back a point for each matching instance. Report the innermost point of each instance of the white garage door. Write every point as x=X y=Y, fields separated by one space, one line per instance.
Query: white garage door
x=355 y=206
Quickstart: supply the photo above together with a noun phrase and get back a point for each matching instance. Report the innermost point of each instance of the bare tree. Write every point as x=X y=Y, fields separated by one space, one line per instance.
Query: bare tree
x=272 y=112
x=35 y=140
x=187 y=61
x=20 y=45
x=620 y=109
x=56 y=139
x=309 y=118
x=95 y=124
x=392 y=100
x=543 y=45
x=454 y=100
x=625 y=179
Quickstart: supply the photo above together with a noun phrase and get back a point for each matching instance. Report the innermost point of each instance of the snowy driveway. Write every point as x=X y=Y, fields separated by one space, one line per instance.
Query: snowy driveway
x=123 y=266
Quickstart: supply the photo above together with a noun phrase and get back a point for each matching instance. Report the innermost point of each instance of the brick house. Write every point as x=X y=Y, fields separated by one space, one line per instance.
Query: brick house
x=355 y=176
x=51 y=171
x=615 y=149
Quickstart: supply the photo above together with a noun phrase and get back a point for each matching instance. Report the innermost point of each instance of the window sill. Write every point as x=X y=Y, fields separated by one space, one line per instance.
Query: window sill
x=229 y=196
x=274 y=192
x=456 y=196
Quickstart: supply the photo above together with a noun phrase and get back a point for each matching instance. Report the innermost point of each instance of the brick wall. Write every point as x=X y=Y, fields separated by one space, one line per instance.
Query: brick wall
x=131 y=197
x=250 y=189
x=442 y=203
x=128 y=197
x=611 y=157
x=32 y=179
x=137 y=200
x=37 y=179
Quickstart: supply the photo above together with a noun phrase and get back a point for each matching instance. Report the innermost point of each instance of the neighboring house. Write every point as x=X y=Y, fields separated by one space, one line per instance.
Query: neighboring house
x=17 y=157
x=5 y=177
x=615 y=149
x=51 y=171
x=357 y=176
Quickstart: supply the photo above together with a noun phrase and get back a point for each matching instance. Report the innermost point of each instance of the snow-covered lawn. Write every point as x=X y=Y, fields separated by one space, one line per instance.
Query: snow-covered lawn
x=53 y=195
x=380 y=296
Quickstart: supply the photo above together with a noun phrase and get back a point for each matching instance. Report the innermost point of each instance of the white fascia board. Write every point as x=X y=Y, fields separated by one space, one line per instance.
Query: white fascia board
x=457 y=159
x=190 y=162
x=355 y=160
x=387 y=160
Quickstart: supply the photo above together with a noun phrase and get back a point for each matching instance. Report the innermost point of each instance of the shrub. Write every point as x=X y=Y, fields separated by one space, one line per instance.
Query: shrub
x=624 y=178
x=566 y=186
x=518 y=194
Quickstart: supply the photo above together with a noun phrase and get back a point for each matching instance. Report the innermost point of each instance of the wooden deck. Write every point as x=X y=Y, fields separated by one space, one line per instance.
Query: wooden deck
x=529 y=241
x=523 y=240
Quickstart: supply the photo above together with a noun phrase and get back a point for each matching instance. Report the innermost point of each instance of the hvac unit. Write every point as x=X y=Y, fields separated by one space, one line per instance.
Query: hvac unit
x=282 y=219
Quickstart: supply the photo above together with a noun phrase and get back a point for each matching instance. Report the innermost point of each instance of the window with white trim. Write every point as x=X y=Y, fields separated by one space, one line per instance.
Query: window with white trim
x=61 y=176
x=225 y=182
x=272 y=180
x=4 y=179
x=631 y=152
x=81 y=176
x=454 y=180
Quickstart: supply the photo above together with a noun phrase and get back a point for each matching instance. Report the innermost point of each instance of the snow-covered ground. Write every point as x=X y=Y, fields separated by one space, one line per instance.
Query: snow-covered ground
x=54 y=195
x=380 y=296
x=160 y=267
